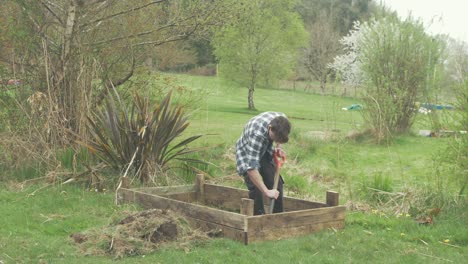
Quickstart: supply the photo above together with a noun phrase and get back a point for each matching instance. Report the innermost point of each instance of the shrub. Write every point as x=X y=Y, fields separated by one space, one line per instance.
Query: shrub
x=139 y=138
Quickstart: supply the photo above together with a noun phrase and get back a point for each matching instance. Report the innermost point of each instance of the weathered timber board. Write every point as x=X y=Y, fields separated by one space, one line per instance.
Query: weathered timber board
x=294 y=204
x=230 y=198
x=185 y=193
x=196 y=211
x=226 y=231
x=290 y=232
x=190 y=197
x=296 y=218
x=301 y=217
x=224 y=197
x=167 y=190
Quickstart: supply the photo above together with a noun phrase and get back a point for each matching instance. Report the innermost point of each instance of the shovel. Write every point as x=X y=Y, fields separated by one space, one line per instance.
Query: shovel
x=278 y=163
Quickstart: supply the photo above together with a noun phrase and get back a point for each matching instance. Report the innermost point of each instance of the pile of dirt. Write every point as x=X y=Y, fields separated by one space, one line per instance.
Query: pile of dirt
x=138 y=234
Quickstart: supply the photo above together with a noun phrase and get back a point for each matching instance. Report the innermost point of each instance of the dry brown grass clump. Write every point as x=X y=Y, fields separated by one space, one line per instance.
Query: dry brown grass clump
x=139 y=234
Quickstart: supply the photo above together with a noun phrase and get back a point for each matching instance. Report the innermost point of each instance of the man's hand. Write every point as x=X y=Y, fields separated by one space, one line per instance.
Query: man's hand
x=281 y=153
x=272 y=194
x=257 y=180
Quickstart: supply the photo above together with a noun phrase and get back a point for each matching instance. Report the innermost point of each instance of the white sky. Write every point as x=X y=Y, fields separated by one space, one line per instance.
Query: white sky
x=439 y=16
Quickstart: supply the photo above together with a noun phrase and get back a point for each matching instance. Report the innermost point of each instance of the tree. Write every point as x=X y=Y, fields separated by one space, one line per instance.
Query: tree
x=340 y=14
x=396 y=62
x=76 y=51
x=261 y=44
x=323 y=46
x=347 y=66
x=327 y=21
x=457 y=60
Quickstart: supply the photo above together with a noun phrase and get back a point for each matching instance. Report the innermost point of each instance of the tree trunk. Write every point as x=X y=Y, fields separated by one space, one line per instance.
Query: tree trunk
x=251 y=90
x=250 y=98
x=323 y=81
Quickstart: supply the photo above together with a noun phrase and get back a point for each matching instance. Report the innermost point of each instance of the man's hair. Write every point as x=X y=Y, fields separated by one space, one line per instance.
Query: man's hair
x=281 y=127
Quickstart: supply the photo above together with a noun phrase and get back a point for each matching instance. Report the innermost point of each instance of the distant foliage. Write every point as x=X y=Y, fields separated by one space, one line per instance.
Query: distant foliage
x=261 y=45
x=451 y=164
x=347 y=65
x=394 y=61
x=340 y=13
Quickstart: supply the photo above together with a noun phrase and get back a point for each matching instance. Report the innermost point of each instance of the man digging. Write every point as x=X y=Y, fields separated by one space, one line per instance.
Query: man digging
x=254 y=156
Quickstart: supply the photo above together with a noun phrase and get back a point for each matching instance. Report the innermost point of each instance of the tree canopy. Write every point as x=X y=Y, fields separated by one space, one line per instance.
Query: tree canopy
x=76 y=51
x=260 y=46
x=394 y=61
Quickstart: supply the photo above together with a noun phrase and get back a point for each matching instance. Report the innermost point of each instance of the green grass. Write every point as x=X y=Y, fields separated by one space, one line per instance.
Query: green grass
x=36 y=222
x=36 y=225
x=226 y=107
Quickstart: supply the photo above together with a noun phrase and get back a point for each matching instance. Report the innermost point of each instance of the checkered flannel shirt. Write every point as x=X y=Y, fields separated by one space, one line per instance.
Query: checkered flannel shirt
x=254 y=142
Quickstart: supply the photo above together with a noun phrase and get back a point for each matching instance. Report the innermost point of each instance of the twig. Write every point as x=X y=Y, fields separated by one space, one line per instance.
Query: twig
x=424 y=242
x=434 y=257
x=447 y=244
x=125 y=175
x=111 y=244
x=34 y=180
x=8 y=256
x=43 y=187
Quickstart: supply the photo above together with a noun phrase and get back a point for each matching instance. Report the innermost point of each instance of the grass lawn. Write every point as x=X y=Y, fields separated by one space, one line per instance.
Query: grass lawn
x=36 y=225
x=37 y=222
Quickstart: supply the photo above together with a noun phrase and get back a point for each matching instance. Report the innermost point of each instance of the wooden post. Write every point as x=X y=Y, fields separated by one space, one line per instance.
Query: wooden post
x=333 y=198
x=125 y=182
x=200 y=188
x=247 y=207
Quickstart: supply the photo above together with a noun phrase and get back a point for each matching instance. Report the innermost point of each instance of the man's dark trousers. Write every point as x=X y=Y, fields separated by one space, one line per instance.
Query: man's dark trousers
x=267 y=171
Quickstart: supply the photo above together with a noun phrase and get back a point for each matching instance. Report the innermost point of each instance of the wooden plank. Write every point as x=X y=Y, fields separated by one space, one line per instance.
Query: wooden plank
x=295 y=219
x=185 y=193
x=295 y=204
x=230 y=198
x=225 y=231
x=224 y=197
x=201 y=212
x=188 y=197
x=290 y=232
x=166 y=190
x=301 y=217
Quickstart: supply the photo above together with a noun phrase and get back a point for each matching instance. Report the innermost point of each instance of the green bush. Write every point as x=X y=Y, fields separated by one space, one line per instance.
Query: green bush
x=140 y=139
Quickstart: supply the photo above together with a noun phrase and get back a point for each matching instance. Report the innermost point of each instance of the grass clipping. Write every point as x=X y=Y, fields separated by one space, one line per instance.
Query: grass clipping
x=139 y=234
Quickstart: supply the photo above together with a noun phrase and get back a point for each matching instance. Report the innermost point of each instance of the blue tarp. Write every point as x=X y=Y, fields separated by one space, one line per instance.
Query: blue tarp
x=352 y=107
x=436 y=106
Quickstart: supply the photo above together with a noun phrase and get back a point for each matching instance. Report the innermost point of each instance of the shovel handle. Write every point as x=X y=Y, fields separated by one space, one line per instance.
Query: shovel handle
x=279 y=162
x=275 y=186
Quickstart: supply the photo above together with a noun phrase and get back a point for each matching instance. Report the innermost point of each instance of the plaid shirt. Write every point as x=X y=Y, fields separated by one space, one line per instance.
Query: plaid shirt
x=254 y=142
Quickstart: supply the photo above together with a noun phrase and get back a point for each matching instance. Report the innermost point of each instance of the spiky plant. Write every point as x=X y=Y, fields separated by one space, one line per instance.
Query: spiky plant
x=141 y=137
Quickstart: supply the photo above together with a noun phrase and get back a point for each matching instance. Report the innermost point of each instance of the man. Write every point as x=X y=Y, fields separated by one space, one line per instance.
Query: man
x=254 y=156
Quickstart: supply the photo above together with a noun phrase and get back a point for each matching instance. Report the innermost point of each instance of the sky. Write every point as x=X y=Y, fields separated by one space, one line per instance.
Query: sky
x=439 y=16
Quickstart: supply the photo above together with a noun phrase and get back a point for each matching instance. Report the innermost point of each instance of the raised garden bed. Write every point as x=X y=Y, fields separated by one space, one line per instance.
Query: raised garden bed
x=227 y=211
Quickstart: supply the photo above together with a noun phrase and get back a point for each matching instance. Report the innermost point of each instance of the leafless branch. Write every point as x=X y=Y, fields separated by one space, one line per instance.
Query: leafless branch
x=160 y=42
x=46 y=6
x=122 y=12
x=114 y=84
x=140 y=34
